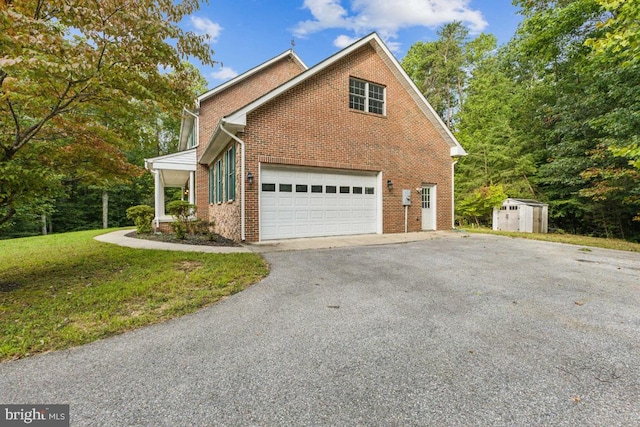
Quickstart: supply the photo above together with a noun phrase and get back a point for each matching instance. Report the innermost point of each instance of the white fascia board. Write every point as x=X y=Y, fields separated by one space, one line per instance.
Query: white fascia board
x=457 y=151
x=240 y=115
x=430 y=112
x=219 y=138
x=178 y=159
x=188 y=117
x=237 y=116
x=247 y=74
x=212 y=149
x=173 y=166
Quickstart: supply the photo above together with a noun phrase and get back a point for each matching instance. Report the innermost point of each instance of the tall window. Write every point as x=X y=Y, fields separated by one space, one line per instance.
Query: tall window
x=366 y=96
x=218 y=173
x=191 y=141
x=230 y=181
x=212 y=180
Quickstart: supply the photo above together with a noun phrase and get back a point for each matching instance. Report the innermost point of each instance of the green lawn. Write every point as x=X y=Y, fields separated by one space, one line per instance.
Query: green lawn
x=597 y=242
x=63 y=290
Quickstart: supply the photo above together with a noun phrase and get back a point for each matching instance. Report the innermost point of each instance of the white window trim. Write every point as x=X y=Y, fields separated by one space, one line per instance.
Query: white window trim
x=230 y=174
x=194 y=133
x=367 y=99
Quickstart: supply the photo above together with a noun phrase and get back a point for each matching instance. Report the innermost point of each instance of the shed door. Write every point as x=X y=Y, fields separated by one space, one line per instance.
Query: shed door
x=537 y=219
x=297 y=202
x=429 y=207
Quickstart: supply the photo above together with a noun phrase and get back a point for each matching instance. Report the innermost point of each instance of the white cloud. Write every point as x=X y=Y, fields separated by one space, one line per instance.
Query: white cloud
x=206 y=26
x=343 y=41
x=386 y=17
x=225 y=73
x=326 y=13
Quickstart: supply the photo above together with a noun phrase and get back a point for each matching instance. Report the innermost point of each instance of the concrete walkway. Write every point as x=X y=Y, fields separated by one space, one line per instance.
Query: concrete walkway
x=119 y=238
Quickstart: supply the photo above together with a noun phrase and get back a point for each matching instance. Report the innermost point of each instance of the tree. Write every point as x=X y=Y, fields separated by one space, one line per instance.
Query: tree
x=437 y=68
x=620 y=40
x=71 y=74
x=489 y=129
x=478 y=206
x=617 y=48
x=588 y=102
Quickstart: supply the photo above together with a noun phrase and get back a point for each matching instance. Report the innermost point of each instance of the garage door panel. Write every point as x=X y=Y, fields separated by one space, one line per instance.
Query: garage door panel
x=310 y=202
x=317 y=215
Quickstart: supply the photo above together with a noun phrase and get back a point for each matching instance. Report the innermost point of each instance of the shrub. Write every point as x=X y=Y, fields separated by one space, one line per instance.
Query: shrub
x=142 y=215
x=181 y=211
x=205 y=228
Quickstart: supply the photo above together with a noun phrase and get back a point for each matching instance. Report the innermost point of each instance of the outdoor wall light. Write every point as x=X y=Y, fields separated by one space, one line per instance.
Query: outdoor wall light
x=250 y=178
x=389 y=185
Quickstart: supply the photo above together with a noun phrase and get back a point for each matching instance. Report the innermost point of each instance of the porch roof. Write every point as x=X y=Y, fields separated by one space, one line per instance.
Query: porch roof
x=173 y=168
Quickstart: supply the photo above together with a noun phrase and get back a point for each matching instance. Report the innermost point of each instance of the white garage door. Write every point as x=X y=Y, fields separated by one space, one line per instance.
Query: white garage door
x=305 y=202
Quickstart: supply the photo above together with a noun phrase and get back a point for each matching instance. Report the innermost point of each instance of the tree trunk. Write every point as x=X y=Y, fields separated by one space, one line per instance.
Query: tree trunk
x=44 y=224
x=105 y=209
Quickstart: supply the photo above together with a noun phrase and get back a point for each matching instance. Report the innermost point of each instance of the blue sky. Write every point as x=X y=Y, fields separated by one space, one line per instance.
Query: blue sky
x=245 y=33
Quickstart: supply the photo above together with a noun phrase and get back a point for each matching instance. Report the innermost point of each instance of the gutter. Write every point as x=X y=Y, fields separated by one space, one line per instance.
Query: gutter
x=242 y=189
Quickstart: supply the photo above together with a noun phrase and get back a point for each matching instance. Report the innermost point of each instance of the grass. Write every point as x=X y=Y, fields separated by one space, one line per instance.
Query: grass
x=64 y=290
x=596 y=242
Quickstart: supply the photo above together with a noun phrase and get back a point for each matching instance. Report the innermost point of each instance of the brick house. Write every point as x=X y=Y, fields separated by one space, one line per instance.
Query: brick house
x=349 y=146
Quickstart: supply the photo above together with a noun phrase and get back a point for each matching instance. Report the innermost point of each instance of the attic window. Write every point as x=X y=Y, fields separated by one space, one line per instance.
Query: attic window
x=366 y=96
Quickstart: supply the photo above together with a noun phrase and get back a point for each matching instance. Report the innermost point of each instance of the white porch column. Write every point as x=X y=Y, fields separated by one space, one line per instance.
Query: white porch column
x=159 y=197
x=192 y=187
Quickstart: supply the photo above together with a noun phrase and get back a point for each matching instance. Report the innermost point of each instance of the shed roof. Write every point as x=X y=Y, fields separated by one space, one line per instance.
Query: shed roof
x=529 y=202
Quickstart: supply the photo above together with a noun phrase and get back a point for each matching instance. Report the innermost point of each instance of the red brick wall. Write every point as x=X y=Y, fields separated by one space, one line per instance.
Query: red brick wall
x=211 y=111
x=313 y=125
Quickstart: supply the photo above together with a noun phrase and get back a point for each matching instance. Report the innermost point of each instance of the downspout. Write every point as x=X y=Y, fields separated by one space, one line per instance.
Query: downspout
x=242 y=190
x=453 y=195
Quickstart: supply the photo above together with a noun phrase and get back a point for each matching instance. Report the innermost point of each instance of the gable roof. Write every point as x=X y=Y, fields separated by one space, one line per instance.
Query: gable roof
x=234 y=81
x=236 y=121
x=189 y=116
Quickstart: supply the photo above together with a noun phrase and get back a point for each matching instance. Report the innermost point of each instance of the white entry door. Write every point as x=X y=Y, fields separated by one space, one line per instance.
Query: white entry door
x=429 y=207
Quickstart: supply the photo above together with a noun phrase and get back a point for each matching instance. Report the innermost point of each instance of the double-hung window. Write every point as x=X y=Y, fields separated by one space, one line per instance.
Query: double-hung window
x=230 y=176
x=366 y=96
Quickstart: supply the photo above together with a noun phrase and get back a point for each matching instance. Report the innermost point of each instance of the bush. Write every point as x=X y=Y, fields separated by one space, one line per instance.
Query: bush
x=181 y=212
x=142 y=215
x=205 y=228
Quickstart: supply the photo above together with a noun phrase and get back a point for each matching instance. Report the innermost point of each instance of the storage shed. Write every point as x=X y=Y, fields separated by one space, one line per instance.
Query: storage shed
x=528 y=216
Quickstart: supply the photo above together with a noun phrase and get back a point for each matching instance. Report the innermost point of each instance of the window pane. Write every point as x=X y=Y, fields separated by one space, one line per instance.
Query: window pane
x=316 y=188
x=211 y=181
x=376 y=92
x=230 y=180
x=330 y=189
x=357 y=190
x=268 y=187
x=368 y=190
x=219 y=181
x=356 y=102
x=285 y=188
x=344 y=190
x=357 y=87
x=376 y=107
x=300 y=188
x=357 y=94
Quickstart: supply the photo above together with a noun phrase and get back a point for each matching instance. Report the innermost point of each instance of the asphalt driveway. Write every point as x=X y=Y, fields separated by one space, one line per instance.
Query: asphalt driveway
x=460 y=331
